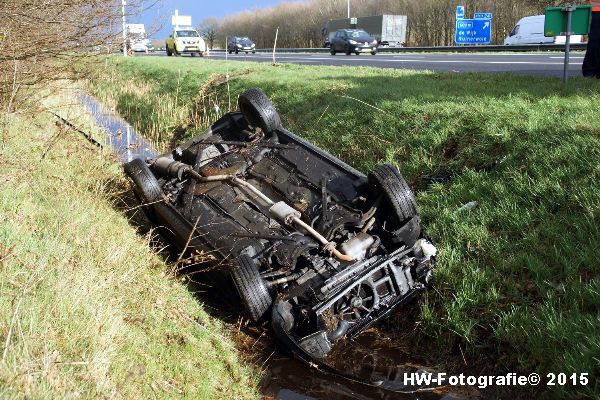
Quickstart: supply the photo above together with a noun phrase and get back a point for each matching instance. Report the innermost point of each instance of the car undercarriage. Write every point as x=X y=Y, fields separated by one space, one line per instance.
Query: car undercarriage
x=311 y=244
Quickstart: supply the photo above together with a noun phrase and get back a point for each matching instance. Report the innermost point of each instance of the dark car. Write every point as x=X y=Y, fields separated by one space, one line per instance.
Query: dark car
x=240 y=43
x=353 y=41
x=309 y=242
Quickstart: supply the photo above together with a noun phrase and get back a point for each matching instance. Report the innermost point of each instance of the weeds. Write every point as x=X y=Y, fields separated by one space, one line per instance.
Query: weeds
x=86 y=309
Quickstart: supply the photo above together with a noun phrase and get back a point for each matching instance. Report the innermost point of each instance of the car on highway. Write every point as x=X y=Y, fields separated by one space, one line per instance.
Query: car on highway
x=185 y=41
x=530 y=30
x=352 y=41
x=308 y=242
x=145 y=46
x=236 y=44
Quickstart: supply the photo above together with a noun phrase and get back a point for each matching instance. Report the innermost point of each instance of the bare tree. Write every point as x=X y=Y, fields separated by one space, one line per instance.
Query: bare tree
x=208 y=29
x=43 y=41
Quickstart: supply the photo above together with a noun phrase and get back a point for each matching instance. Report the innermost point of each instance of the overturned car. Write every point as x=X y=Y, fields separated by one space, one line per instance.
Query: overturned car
x=310 y=243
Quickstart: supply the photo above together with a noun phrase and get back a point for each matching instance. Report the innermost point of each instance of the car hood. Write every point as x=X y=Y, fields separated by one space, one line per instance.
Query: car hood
x=363 y=39
x=245 y=43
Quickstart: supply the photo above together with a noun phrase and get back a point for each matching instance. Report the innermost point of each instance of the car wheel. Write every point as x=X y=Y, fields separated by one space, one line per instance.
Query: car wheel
x=387 y=180
x=246 y=52
x=147 y=189
x=254 y=52
x=193 y=54
x=332 y=51
x=357 y=53
x=169 y=54
x=251 y=287
x=237 y=51
x=347 y=51
x=258 y=110
x=373 y=53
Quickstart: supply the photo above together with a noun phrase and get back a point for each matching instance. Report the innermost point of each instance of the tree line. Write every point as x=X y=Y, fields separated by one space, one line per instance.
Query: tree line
x=430 y=22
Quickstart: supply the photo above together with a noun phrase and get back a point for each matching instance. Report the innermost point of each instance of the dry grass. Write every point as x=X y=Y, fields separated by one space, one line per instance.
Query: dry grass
x=86 y=309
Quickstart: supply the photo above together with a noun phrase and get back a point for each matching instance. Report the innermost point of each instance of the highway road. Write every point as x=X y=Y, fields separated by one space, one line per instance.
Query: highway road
x=548 y=64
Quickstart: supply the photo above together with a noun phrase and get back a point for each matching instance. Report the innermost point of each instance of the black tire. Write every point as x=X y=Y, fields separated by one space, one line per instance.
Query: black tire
x=169 y=54
x=332 y=51
x=357 y=53
x=254 y=52
x=347 y=50
x=193 y=54
x=373 y=53
x=246 y=52
x=258 y=110
x=387 y=180
x=251 y=288
x=145 y=182
x=236 y=51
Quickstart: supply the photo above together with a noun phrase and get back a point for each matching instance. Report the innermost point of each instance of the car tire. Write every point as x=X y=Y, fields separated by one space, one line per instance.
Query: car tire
x=146 y=185
x=387 y=180
x=373 y=53
x=193 y=54
x=258 y=110
x=347 y=51
x=332 y=51
x=254 y=52
x=251 y=287
x=169 y=54
x=237 y=51
x=357 y=53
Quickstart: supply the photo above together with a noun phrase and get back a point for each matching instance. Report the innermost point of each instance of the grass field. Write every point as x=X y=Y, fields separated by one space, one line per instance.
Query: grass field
x=518 y=283
x=87 y=310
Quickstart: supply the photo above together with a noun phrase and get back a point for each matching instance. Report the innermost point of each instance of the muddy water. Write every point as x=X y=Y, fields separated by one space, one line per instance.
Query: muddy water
x=372 y=357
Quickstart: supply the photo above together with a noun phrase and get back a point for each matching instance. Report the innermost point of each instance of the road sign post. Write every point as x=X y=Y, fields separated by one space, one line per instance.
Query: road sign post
x=567 y=21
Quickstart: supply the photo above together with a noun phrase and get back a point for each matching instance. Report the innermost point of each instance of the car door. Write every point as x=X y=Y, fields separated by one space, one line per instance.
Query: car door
x=339 y=43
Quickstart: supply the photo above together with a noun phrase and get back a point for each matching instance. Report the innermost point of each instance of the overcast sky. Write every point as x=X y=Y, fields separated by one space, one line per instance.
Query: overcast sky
x=198 y=9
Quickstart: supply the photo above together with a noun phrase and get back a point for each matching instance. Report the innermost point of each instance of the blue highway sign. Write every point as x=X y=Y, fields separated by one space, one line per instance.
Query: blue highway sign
x=460 y=12
x=473 y=31
x=482 y=16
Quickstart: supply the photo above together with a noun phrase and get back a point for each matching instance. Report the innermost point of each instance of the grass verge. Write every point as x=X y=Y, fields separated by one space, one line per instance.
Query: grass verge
x=518 y=284
x=86 y=309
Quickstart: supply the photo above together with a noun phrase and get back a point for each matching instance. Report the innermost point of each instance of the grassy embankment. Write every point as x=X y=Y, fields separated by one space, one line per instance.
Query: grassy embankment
x=86 y=309
x=518 y=283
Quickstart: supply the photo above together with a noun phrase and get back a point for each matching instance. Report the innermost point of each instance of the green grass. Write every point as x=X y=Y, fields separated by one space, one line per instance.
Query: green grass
x=518 y=278
x=86 y=309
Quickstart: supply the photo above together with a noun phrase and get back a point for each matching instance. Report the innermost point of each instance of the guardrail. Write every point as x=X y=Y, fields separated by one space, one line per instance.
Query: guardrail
x=444 y=49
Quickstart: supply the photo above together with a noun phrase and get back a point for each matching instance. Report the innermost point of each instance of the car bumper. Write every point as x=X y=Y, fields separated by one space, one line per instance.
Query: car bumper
x=192 y=49
x=364 y=49
x=394 y=280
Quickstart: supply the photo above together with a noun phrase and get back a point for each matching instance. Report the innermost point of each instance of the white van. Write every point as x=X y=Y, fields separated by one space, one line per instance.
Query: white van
x=530 y=30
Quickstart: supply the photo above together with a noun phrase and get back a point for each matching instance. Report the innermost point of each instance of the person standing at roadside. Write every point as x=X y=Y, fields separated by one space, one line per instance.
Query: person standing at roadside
x=591 y=62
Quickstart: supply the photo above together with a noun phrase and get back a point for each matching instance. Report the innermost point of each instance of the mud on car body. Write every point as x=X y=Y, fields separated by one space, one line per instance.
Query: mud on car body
x=310 y=243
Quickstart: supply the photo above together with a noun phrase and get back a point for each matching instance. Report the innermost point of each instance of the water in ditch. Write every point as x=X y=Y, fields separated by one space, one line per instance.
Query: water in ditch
x=375 y=356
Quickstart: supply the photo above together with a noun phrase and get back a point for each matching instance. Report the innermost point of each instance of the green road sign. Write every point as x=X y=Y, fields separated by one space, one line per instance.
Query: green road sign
x=556 y=21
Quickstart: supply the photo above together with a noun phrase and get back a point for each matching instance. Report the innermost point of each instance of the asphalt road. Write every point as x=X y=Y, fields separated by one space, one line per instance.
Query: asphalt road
x=548 y=64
